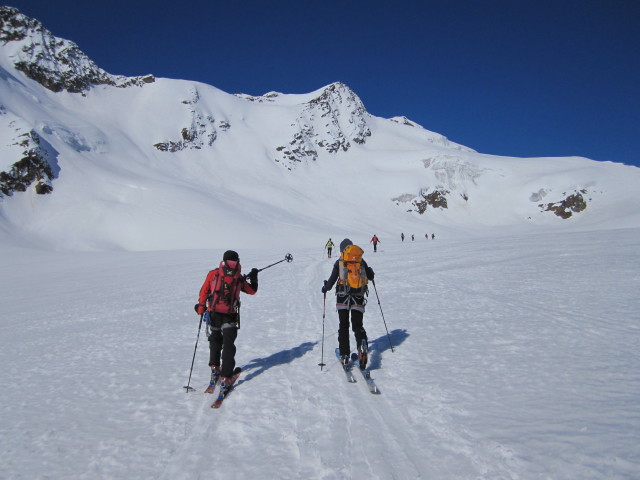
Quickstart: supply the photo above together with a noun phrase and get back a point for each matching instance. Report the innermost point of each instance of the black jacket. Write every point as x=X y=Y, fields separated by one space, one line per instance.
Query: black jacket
x=342 y=295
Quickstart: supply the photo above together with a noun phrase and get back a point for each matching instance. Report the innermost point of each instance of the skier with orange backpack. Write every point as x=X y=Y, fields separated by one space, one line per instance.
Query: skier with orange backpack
x=352 y=274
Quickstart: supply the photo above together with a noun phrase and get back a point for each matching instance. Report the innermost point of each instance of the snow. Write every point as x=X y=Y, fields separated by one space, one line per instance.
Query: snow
x=516 y=357
x=515 y=332
x=129 y=195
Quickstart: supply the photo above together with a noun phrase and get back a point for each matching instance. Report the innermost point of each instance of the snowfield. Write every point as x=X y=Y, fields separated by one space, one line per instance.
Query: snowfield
x=515 y=334
x=516 y=357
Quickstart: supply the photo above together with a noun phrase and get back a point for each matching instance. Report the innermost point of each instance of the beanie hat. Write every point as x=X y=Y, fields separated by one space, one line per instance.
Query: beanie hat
x=344 y=244
x=231 y=255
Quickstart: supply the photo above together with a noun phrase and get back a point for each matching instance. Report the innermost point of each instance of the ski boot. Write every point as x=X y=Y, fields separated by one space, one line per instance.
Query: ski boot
x=215 y=376
x=227 y=383
x=363 y=354
x=346 y=363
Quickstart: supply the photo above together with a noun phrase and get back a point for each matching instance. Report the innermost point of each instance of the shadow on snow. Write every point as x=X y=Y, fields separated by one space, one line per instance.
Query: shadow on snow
x=257 y=366
x=381 y=344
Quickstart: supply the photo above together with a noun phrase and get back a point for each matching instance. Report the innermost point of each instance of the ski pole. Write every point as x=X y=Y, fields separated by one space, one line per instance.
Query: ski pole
x=288 y=258
x=324 y=305
x=188 y=387
x=385 y=323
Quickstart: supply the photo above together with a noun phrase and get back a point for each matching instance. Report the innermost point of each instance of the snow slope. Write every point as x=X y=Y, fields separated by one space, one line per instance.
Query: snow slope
x=155 y=164
x=516 y=332
x=516 y=357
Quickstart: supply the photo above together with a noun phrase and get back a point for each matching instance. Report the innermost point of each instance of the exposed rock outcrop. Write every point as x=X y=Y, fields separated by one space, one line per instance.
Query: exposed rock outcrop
x=435 y=199
x=573 y=203
x=55 y=63
x=329 y=122
x=202 y=131
x=32 y=165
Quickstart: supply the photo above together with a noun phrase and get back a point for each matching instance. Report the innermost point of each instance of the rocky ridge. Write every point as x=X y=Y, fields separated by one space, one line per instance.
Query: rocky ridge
x=55 y=63
x=33 y=161
x=202 y=131
x=330 y=121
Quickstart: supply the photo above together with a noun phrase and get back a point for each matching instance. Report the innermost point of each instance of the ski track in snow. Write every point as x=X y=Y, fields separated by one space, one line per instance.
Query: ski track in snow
x=515 y=358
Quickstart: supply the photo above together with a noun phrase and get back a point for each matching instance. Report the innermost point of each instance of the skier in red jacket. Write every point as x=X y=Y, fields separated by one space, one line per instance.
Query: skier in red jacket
x=375 y=241
x=220 y=298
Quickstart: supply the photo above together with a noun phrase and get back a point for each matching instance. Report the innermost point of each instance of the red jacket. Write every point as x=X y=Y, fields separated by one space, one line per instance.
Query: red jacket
x=209 y=285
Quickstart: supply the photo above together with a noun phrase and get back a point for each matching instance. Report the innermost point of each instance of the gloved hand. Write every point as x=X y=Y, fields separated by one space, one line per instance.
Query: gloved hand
x=370 y=273
x=200 y=309
x=253 y=276
x=324 y=287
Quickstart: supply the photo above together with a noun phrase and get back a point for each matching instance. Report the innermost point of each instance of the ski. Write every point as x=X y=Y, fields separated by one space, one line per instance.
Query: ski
x=348 y=368
x=373 y=388
x=210 y=388
x=225 y=391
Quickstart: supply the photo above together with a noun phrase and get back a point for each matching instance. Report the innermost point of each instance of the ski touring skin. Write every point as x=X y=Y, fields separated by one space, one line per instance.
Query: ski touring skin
x=226 y=390
x=348 y=368
x=373 y=388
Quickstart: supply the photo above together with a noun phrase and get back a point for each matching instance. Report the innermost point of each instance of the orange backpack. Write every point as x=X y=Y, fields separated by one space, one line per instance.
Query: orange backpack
x=352 y=273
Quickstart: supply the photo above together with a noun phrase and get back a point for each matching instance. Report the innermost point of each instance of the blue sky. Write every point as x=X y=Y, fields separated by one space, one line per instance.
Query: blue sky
x=504 y=77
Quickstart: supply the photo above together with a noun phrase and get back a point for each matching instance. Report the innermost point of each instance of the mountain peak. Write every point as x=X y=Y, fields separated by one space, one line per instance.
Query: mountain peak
x=55 y=63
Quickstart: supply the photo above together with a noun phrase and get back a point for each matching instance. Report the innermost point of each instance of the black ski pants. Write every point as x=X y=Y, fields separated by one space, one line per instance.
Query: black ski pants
x=343 y=329
x=224 y=330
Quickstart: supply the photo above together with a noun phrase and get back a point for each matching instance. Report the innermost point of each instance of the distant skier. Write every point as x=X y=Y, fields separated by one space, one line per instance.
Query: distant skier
x=433 y=236
x=412 y=237
x=219 y=299
x=375 y=240
x=352 y=274
x=329 y=246
x=402 y=236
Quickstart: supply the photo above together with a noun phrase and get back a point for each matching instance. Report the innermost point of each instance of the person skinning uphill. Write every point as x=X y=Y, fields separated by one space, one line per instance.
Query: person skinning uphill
x=220 y=299
x=329 y=247
x=375 y=240
x=351 y=273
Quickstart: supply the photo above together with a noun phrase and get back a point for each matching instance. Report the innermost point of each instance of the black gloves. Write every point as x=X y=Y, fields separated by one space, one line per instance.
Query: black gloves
x=370 y=273
x=324 y=287
x=253 y=276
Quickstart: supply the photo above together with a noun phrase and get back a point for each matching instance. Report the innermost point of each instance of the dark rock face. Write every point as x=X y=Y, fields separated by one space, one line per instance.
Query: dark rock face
x=328 y=122
x=573 y=203
x=434 y=199
x=202 y=132
x=32 y=167
x=54 y=63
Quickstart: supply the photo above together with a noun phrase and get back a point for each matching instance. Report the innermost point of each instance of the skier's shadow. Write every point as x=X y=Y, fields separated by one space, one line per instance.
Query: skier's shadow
x=381 y=344
x=257 y=366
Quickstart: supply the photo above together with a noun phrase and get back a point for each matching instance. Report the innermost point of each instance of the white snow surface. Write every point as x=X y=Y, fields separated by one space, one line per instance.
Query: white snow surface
x=515 y=357
x=515 y=333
